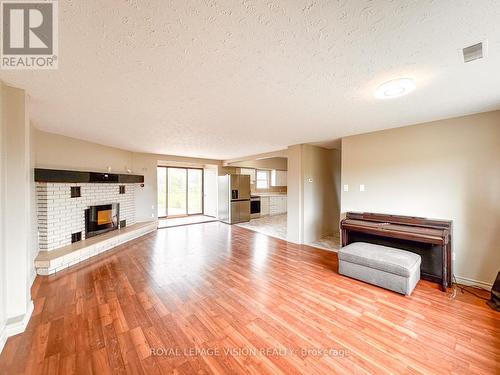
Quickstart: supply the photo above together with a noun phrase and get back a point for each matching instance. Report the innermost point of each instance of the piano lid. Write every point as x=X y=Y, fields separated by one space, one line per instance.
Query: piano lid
x=404 y=227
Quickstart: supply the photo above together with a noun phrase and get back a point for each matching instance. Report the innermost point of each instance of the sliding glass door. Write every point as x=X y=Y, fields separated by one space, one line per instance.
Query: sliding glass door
x=195 y=191
x=180 y=191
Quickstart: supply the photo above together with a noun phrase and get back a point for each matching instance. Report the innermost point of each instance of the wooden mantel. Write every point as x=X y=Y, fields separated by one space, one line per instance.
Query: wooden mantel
x=67 y=176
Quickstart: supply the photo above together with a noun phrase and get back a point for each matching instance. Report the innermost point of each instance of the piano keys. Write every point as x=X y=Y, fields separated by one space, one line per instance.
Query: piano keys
x=431 y=239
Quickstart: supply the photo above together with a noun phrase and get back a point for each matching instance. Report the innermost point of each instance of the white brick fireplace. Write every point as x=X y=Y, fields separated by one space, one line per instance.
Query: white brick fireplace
x=60 y=215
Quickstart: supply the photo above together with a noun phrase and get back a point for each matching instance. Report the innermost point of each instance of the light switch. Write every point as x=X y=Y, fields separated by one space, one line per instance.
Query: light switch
x=361 y=187
x=346 y=187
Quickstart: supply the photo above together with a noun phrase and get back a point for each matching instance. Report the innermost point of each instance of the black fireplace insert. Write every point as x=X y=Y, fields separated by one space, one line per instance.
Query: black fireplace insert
x=101 y=219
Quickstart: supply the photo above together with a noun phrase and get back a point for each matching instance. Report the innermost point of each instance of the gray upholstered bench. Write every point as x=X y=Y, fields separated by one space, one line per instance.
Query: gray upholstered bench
x=389 y=268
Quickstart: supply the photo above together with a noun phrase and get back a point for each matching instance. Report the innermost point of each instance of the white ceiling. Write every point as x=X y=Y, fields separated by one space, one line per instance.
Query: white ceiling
x=222 y=79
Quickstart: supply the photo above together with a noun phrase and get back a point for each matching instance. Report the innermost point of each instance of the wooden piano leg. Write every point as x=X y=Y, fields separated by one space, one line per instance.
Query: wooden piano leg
x=344 y=238
x=444 y=286
x=444 y=272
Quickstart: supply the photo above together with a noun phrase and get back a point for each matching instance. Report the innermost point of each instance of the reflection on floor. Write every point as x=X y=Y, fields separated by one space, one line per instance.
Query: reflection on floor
x=331 y=243
x=175 y=222
x=274 y=226
x=225 y=293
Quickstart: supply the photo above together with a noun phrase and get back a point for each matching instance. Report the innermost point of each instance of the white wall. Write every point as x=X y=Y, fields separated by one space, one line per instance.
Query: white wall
x=446 y=169
x=17 y=242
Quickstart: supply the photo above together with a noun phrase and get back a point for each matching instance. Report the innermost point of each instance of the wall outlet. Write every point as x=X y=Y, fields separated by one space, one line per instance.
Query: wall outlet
x=361 y=187
x=346 y=187
x=453 y=256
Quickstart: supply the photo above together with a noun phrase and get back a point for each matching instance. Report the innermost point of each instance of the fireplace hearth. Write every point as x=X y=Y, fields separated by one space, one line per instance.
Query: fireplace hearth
x=101 y=219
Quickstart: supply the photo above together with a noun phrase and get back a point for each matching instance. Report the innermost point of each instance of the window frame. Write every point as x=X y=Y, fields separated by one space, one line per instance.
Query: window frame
x=267 y=179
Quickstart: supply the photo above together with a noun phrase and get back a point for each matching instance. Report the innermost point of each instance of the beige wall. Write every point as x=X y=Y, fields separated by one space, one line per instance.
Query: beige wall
x=269 y=163
x=222 y=171
x=321 y=208
x=446 y=169
x=17 y=245
x=3 y=178
x=145 y=164
x=278 y=163
x=335 y=190
x=18 y=201
x=60 y=152
x=295 y=201
x=313 y=198
x=34 y=217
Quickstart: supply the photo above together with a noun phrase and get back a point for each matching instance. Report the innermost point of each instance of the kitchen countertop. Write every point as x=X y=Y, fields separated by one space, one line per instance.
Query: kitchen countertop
x=277 y=194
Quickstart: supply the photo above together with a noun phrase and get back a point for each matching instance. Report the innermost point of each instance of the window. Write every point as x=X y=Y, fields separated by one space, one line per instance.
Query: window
x=180 y=191
x=262 y=179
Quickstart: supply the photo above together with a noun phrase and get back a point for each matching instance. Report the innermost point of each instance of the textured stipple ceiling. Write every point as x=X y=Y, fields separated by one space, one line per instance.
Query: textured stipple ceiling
x=224 y=79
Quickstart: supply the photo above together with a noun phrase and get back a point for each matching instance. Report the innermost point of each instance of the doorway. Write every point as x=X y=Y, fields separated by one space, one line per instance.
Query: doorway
x=180 y=192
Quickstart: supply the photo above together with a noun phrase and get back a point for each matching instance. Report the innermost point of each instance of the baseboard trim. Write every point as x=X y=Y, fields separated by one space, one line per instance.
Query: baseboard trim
x=471 y=282
x=33 y=275
x=15 y=325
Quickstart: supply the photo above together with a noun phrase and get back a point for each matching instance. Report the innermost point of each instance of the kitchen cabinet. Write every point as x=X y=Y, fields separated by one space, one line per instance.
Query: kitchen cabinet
x=264 y=206
x=250 y=172
x=278 y=178
x=282 y=178
x=277 y=205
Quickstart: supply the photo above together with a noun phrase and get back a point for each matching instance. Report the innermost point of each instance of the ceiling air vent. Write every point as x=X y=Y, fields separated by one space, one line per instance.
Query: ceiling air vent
x=473 y=52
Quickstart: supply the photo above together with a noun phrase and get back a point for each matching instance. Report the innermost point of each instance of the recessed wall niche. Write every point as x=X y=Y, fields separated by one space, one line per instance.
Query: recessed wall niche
x=76 y=192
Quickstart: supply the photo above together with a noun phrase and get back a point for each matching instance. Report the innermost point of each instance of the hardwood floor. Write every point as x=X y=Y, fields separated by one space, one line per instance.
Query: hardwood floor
x=176 y=299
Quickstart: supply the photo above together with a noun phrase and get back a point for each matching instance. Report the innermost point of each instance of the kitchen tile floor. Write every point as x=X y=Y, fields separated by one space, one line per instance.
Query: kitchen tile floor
x=331 y=243
x=274 y=226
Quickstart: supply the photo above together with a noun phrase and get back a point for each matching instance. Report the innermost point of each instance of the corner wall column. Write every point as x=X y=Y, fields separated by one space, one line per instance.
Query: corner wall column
x=295 y=230
x=17 y=244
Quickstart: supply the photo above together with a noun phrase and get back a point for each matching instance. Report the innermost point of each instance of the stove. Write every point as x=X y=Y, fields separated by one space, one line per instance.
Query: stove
x=254 y=207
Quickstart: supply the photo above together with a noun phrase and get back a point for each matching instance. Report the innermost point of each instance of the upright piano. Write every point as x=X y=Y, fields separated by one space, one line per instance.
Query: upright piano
x=429 y=238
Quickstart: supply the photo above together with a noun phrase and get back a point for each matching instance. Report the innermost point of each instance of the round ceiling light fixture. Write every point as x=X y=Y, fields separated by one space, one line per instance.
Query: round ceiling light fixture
x=395 y=88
